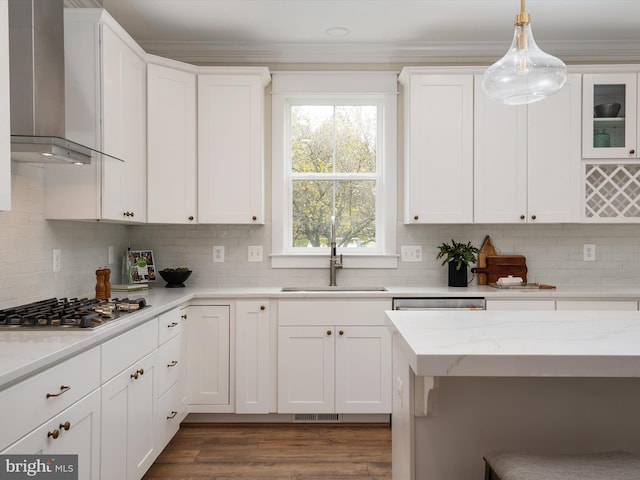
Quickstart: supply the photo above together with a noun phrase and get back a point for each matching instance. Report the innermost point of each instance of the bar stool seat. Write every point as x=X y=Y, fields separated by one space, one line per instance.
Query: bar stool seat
x=593 y=466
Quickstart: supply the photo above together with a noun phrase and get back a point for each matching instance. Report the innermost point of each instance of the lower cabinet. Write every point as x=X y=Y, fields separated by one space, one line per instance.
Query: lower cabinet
x=128 y=429
x=208 y=356
x=334 y=369
x=74 y=431
x=628 y=305
x=521 y=305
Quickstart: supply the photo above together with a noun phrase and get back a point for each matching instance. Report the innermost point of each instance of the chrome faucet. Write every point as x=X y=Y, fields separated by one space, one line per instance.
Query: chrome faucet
x=335 y=262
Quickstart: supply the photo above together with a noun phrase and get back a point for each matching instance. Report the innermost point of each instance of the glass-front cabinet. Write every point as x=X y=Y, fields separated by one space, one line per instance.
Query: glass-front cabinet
x=609 y=116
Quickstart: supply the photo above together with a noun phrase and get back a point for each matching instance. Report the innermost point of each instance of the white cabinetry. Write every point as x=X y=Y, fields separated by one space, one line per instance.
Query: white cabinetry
x=333 y=357
x=527 y=158
x=105 y=80
x=75 y=431
x=128 y=403
x=613 y=136
x=5 y=120
x=253 y=354
x=627 y=305
x=208 y=356
x=171 y=130
x=521 y=304
x=231 y=144
x=172 y=402
x=438 y=147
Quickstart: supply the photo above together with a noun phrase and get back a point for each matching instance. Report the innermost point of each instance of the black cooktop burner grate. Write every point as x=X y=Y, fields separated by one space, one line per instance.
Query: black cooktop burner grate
x=69 y=312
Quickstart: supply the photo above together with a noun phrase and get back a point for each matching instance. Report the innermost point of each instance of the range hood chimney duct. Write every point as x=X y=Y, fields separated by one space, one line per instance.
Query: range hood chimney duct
x=36 y=61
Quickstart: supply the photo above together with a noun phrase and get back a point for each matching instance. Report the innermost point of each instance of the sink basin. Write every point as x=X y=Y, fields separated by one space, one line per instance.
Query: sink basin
x=338 y=288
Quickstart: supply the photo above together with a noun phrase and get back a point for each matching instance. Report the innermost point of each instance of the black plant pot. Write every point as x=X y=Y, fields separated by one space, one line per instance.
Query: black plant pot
x=457 y=278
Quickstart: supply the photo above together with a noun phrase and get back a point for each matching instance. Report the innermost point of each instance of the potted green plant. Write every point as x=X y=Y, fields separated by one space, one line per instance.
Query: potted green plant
x=458 y=255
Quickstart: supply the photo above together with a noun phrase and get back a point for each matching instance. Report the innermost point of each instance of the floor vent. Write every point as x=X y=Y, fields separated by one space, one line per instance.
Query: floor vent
x=317 y=418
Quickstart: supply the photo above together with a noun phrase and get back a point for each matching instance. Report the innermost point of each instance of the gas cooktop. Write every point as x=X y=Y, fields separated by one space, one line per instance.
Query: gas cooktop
x=69 y=313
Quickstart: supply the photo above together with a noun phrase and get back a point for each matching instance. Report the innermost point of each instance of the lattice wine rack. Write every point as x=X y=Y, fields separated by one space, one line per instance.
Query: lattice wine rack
x=612 y=191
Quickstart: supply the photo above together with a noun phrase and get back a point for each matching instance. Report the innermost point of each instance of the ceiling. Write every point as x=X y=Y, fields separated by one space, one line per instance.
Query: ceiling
x=375 y=31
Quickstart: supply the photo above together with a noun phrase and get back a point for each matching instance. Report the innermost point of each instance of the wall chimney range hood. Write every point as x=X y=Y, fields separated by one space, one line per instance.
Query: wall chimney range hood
x=36 y=60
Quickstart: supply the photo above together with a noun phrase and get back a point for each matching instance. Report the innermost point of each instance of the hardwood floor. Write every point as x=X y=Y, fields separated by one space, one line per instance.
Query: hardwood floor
x=276 y=451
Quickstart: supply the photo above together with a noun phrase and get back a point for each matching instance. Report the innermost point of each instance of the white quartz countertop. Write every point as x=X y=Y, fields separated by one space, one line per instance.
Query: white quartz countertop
x=509 y=343
x=24 y=352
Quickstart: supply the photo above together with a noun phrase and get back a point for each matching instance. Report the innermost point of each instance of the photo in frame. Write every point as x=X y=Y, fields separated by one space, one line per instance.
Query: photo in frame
x=142 y=266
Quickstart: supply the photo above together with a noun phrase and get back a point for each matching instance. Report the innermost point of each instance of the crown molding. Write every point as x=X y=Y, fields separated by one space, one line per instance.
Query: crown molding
x=423 y=53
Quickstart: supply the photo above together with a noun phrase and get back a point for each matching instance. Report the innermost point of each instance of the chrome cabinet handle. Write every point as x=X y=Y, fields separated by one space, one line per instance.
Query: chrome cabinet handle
x=63 y=389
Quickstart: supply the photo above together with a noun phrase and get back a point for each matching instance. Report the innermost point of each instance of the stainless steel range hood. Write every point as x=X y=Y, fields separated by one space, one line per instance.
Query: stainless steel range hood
x=36 y=55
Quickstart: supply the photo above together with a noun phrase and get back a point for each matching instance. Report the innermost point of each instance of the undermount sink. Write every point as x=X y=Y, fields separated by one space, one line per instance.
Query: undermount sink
x=339 y=288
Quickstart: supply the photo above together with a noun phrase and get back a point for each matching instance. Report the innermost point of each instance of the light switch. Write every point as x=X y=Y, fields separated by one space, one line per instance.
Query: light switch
x=218 y=254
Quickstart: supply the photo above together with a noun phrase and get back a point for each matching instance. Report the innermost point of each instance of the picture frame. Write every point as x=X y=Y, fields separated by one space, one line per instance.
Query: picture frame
x=142 y=266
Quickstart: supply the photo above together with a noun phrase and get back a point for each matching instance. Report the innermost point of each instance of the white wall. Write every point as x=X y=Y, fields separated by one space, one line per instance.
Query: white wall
x=554 y=252
x=27 y=241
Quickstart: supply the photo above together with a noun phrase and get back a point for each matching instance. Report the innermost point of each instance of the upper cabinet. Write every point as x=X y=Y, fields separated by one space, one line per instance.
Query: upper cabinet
x=231 y=144
x=5 y=121
x=171 y=129
x=527 y=158
x=438 y=154
x=610 y=116
x=105 y=97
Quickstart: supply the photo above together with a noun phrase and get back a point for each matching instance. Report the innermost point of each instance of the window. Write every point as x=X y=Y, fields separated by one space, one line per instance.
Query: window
x=334 y=148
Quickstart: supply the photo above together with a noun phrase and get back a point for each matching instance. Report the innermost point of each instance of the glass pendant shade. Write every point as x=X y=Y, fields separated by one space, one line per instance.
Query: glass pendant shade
x=525 y=74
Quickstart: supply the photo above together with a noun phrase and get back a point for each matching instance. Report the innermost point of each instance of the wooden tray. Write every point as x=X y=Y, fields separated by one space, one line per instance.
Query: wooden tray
x=524 y=286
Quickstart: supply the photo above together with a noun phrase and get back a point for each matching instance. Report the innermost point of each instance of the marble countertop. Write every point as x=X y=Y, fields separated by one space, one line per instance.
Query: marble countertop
x=523 y=343
x=25 y=352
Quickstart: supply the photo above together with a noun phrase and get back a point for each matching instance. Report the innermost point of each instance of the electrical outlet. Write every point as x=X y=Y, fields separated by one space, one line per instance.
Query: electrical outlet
x=254 y=253
x=110 y=254
x=57 y=260
x=411 y=253
x=218 y=254
x=589 y=252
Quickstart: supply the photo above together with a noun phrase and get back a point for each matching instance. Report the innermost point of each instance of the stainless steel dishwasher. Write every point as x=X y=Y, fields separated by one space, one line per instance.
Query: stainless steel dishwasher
x=439 y=303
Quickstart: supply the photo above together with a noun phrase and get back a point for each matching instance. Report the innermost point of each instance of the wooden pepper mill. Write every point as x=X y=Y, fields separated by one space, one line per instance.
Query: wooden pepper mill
x=107 y=282
x=101 y=288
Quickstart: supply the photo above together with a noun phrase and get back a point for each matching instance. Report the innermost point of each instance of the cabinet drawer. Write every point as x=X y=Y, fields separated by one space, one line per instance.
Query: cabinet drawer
x=625 y=305
x=170 y=364
x=170 y=324
x=171 y=411
x=48 y=393
x=333 y=312
x=125 y=349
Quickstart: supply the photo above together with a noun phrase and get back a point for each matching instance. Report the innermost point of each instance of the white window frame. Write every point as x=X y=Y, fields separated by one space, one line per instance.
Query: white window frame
x=373 y=88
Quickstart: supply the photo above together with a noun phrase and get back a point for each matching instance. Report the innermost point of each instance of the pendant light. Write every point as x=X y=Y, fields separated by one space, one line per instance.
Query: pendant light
x=525 y=74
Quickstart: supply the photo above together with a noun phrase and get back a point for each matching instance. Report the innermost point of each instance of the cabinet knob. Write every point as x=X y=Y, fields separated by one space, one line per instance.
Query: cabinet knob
x=137 y=373
x=190 y=217
x=262 y=307
x=632 y=151
x=55 y=434
x=328 y=332
x=522 y=217
x=183 y=316
x=66 y=426
x=254 y=218
x=133 y=214
x=341 y=332
x=416 y=217
x=63 y=389
x=533 y=217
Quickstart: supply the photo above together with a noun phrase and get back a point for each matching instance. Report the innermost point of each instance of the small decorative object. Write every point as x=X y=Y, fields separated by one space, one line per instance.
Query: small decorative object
x=139 y=267
x=601 y=138
x=458 y=256
x=175 y=277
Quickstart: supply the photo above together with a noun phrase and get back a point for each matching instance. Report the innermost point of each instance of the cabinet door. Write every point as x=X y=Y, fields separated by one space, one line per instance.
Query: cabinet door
x=208 y=355
x=554 y=163
x=230 y=149
x=82 y=437
x=123 y=131
x=128 y=436
x=5 y=121
x=253 y=357
x=363 y=370
x=626 y=305
x=609 y=137
x=539 y=305
x=306 y=369
x=439 y=149
x=500 y=163
x=171 y=173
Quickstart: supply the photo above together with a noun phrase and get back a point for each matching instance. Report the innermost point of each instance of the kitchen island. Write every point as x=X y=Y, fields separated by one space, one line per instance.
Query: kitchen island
x=466 y=383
